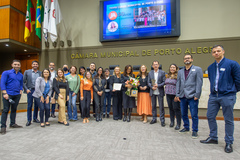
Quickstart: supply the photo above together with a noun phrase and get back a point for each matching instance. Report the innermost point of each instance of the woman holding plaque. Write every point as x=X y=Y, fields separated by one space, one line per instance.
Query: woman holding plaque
x=128 y=102
x=144 y=105
x=86 y=90
x=99 y=85
x=170 y=90
x=116 y=93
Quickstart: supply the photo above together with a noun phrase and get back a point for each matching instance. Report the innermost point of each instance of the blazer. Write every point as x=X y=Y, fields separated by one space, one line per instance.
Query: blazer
x=160 y=81
x=192 y=86
x=40 y=86
x=97 y=86
x=27 y=80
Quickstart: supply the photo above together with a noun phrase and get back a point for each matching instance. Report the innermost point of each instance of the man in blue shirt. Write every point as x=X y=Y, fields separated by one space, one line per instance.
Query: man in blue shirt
x=224 y=77
x=11 y=86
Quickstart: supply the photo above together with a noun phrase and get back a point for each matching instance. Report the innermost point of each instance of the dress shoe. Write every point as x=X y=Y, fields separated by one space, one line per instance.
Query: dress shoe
x=42 y=125
x=184 y=130
x=177 y=127
x=3 y=131
x=67 y=124
x=228 y=148
x=60 y=122
x=53 y=116
x=28 y=123
x=15 y=126
x=171 y=124
x=194 y=134
x=47 y=124
x=153 y=121
x=36 y=121
x=107 y=115
x=209 y=140
x=163 y=124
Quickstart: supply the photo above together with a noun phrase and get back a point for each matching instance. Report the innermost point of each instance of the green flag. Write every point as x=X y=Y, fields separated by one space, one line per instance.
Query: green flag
x=39 y=18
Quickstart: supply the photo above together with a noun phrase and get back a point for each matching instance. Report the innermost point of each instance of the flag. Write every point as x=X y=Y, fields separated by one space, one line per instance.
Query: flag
x=54 y=19
x=30 y=20
x=46 y=19
x=39 y=18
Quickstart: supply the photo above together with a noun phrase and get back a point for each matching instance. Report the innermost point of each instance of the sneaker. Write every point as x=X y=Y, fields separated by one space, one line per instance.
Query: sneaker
x=184 y=130
x=194 y=134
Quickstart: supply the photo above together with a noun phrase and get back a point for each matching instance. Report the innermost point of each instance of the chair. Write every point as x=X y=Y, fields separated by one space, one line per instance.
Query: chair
x=180 y=67
x=111 y=68
x=136 y=68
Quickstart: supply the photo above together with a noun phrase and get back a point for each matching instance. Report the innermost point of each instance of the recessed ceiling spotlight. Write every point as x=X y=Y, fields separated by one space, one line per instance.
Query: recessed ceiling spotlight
x=25 y=50
x=7 y=45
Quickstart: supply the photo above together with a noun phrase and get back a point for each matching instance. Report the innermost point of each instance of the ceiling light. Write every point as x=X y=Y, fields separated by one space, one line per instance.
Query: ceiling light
x=25 y=50
x=7 y=45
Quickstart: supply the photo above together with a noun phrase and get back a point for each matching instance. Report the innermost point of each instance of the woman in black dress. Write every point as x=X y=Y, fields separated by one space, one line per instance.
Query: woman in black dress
x=117 y=95
x=128 y=102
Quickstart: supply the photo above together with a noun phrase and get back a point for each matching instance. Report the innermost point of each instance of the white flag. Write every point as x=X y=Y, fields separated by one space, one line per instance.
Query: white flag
x=46 y=19
x=54 y=19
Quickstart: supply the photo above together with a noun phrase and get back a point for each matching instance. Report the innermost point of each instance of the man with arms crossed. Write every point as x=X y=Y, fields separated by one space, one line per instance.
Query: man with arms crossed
x=29 y=79
x=188 y=92
x=12 y=87
x=224 y=77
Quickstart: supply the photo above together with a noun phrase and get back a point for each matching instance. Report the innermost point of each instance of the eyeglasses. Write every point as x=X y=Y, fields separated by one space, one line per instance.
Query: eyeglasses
x=187 y=58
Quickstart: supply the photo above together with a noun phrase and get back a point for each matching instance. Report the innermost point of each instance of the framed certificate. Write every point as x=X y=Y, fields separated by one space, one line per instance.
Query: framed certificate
x=117 y=86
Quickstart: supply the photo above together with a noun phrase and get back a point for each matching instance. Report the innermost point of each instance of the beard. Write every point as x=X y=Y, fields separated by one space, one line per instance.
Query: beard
x=188 y=62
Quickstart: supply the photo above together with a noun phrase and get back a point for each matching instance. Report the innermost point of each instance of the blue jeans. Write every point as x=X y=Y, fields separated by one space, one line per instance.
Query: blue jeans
x=44 y=107
x=193 y=104
x=227 y=103
x=29 y=109
x=107 y=99
x=72 y=102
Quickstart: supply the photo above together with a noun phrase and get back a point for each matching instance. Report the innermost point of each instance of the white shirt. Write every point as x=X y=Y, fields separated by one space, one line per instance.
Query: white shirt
x=156 y=92
x=53 y=75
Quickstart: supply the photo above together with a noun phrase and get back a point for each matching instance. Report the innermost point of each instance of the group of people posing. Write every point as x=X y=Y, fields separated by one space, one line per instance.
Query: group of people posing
x=181 y=87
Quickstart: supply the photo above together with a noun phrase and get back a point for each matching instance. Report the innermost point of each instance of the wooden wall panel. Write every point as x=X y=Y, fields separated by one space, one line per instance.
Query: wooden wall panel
x=4 y=20
x=21 y=5
x=17 y=27
x=4 y=2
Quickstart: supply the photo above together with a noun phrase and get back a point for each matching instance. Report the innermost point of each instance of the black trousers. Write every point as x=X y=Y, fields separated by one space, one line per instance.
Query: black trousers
x=174 y=109
x=117 y=105
x=98 y=102
x=161 y=107
x=85 y=104
x=6 y=107
x=80 y=108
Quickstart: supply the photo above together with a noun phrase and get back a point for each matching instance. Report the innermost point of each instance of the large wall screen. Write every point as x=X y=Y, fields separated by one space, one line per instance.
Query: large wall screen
x=139 y=19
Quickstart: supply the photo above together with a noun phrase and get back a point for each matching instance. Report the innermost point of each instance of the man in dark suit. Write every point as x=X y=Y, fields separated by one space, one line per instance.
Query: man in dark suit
x=156 y=81
x=29 y=79
x=188 y=92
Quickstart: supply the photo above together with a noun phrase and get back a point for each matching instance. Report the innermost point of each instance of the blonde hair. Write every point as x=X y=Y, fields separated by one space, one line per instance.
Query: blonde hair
x=85 y=78
x=63 y=77
x=114 y=71
x=140 y=72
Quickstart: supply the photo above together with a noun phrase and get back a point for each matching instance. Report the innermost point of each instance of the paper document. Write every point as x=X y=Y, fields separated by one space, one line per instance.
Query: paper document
x=117 y=86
